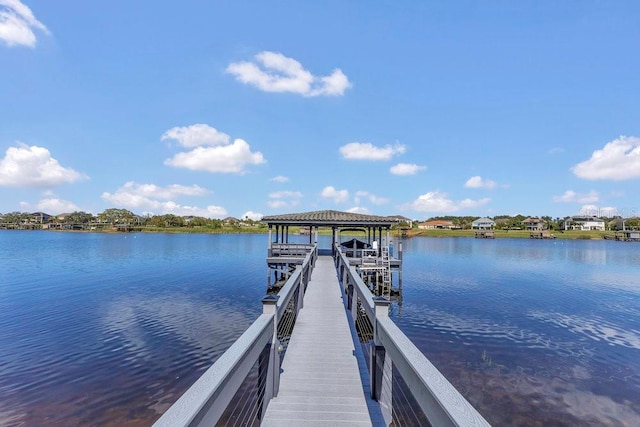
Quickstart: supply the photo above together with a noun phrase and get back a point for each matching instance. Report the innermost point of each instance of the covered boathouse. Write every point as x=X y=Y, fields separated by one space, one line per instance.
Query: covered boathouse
x=372 y=252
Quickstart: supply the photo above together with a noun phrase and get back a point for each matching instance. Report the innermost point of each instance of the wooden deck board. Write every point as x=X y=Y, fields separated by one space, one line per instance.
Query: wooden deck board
x=321 y=381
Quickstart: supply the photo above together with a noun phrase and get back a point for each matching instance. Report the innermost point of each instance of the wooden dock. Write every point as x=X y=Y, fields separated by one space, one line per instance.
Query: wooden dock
x=485 y=234
x=541 y=234
x=321 y=382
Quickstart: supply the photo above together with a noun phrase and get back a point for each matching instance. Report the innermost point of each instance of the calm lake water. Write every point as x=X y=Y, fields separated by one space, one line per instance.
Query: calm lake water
x=110 y=329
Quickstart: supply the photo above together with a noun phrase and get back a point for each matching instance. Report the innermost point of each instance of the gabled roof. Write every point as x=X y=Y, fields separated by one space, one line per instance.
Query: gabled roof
x=484 y=219
x=330 y=218
x=399 y=218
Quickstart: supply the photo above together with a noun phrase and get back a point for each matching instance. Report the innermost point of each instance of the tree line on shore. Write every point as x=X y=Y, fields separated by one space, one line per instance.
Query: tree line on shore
x=114 y=217
x=514 y=222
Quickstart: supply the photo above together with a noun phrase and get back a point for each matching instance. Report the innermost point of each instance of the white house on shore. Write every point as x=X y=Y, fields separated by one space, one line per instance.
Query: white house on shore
x=436 y=225
x=583 y=223
x=534 y=224
x=483 y=224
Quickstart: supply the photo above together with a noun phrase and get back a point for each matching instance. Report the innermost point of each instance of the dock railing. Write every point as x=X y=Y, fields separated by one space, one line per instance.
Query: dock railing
x=390 y=352
x=290 y=249
x=261 y=347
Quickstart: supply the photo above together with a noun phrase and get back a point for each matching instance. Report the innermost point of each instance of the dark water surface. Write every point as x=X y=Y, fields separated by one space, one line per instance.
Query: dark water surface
x=110 y=329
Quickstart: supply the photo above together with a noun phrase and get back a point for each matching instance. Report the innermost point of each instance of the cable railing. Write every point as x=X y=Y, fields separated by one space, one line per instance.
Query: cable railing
x=237 y=388
x=408 y=387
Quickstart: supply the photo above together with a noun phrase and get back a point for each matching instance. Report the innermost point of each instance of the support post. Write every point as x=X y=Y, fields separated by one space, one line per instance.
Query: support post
x=304 y=278
x=353 y=302
x=272 y=383
x=388 y=237
x=377 y=353
x=381 y=365
x=400 y=269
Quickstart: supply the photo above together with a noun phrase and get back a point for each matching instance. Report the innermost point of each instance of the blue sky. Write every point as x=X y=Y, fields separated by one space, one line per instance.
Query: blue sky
x=237 y=108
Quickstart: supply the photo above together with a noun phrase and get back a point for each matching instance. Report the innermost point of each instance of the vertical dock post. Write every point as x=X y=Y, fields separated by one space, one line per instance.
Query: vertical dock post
x=400 y=269
x=377 y=351
x=270 y=357
x=381 y=365
x=304 y=279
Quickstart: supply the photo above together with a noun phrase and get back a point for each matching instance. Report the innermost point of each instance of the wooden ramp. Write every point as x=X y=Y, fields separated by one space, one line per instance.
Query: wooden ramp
x=321 y=383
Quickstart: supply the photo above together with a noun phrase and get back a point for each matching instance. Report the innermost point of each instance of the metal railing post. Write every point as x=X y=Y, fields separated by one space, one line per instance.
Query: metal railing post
x=377 y=353
x=349 y=290
x=353 y=300
x=304 y=279
x=381 y=365
x=272 y=383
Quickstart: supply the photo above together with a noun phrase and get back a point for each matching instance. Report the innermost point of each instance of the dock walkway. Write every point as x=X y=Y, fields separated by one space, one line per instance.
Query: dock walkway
x=320 y=383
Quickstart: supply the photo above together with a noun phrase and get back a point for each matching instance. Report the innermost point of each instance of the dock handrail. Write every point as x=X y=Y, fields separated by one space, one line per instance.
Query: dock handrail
x=204 y=403
x=441 y=402
x=206 y=400
x=290 y=249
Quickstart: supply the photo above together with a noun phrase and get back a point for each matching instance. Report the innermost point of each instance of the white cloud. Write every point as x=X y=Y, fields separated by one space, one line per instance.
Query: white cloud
x=280 y=178
x=274 y=72
x=470 y=203
x=254 y=216
x=618 y=160
x=406 y=169
x=233 y=158
x=156 y=200
x=478 y=182
x=338 y=196
x=197 y=135
x=571 y=196
x=367 y=151
x=133 y=193
x=599 y=211
x=376 y=200
x=359 y=210
x=285 y=194
x=277 y=204
x=54 y=206
x=436 y=201
x=284 y=199
x=17 y=24
x=33 y=166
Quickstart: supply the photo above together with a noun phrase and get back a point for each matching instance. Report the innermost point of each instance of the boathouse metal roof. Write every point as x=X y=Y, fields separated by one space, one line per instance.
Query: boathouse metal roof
x=330 y=218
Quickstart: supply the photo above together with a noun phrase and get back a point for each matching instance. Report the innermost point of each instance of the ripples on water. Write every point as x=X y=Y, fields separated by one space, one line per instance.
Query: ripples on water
x=100 y=329
x=532 y=332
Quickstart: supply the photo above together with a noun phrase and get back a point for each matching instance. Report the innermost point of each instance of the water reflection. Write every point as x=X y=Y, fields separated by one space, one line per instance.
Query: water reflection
x=107 y=330
x=532 y=332
x=111 y=329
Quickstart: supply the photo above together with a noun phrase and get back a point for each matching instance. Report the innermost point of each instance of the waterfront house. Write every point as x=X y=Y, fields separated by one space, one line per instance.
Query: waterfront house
x=483 y=224
x=39 y=218
x=534 y=224
x=231 y=221
x=436 y=225
x=402 y=219
x=583 y=223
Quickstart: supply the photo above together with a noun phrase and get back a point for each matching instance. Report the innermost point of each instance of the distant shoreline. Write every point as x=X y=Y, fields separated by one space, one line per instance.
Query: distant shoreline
x=499 y=234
